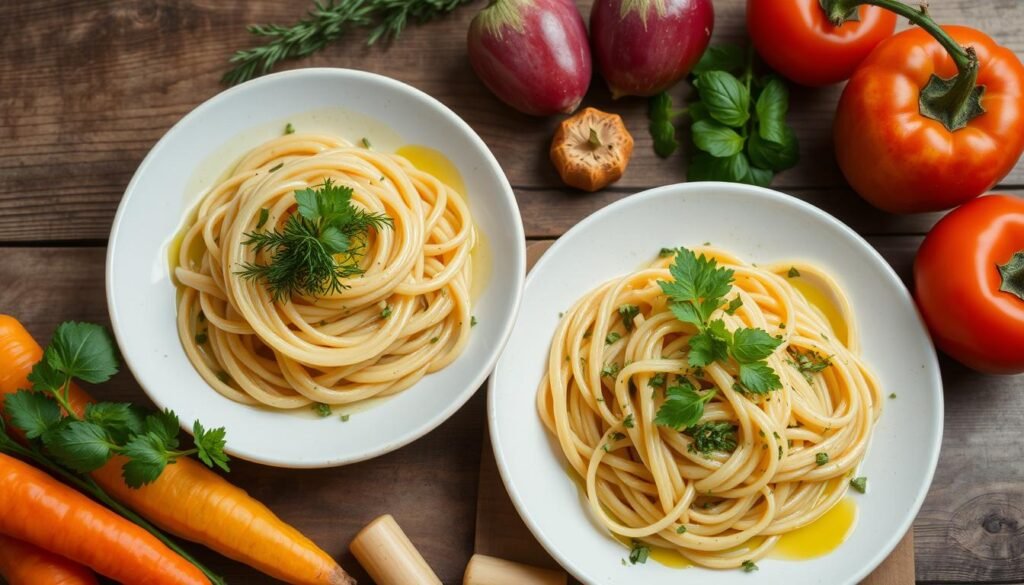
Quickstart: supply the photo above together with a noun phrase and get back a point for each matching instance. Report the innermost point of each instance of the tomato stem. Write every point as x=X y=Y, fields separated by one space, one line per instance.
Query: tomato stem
x=1012 y=275
x=955 y=101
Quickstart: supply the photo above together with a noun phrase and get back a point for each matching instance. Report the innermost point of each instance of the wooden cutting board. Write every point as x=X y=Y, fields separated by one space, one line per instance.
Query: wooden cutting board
x=500 y=532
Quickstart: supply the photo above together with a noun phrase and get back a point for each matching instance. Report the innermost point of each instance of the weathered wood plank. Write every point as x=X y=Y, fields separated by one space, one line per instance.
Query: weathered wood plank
x=88 y=88
x=429 y=486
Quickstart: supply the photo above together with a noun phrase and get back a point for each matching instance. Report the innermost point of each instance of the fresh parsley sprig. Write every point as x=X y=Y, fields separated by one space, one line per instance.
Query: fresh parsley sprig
x=149 y=441
x=320 y=244
x=326 y=23
x=697 y=290
x=737 y=123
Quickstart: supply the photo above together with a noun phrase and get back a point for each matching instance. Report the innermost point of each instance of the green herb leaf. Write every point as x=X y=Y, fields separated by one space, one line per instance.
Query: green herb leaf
x=84 y=351
x=860 y=484
x=629 y=422
x=759 y=378
x=639 y=553
x=147 y=457
x=720 y=57
x=776 y=156
x=663 y=132
x=165 y=426
x=289 y=129
x=681 y=529
x=771 y=109
x=33 y=412
x=809 y=363
x=751 y=345
x=821 y=458
x=78 y=445
x=716 y=139
x=304 y=255
x=45 y=378
x=210 y=446
x=119 y=419
x=726 y=98
x=612 y=337
x=657 y=380
x=683 y=406
x=264 y=216
x=758 y=176
x=793 y=272
x=706 y=347
x=734 y=305
x=749 y=566
x=322 y=410
x=628 y=313
x=732 y=169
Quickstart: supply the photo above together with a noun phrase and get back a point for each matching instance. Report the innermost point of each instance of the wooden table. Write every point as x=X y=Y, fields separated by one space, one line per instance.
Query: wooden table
x=88 y=86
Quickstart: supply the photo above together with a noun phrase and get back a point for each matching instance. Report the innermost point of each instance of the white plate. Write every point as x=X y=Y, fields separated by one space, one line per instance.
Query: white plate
x=197 y=150
x=758 y=225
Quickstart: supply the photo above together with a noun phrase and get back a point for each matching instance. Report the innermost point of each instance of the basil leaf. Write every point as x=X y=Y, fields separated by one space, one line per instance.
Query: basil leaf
x=663 y=132
x=775 y=156
x=727 y=100
x=758 y=176
x=771 y=109
x=716 y=140
x=723 y=57
x=704 y=167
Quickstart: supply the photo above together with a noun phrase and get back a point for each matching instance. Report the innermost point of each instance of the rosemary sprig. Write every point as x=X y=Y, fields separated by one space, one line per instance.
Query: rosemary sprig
x=319 y=246
x=327 y=22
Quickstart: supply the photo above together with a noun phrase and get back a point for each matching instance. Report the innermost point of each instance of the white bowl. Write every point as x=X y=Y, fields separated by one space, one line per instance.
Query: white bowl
x=759 y=225
x=198 y=150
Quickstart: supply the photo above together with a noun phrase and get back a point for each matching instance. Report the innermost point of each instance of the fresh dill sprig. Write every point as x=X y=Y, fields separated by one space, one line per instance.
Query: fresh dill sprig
x=320 y=245
x=327 y=22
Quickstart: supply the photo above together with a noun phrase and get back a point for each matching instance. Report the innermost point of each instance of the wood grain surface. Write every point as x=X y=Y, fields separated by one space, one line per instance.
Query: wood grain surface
x=87 y=87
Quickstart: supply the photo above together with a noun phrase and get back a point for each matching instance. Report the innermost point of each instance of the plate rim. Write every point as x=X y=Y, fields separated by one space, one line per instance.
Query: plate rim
x=934 y=448
x=517 y=268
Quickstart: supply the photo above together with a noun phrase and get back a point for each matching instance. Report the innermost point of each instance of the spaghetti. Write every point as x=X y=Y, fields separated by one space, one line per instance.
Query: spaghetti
x=758 y=465
x=406 y=315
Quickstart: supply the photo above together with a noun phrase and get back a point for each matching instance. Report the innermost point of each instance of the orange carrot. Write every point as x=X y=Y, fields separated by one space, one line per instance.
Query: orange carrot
x=24 y=564
x=188 y=499
x=44 y=512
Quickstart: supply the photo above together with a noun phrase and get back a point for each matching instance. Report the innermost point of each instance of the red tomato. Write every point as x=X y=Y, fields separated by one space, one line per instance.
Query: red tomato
x=796 y=39
x=969 y=280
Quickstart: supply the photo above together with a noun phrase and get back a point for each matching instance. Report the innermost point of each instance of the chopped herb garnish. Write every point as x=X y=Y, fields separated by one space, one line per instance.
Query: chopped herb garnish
x=893 y=395
x=749 y=566
x=782 y=325
x=303 y=260
x=264 y=216
x=734 y=305
x=472 y=321
x=780 y=452
x=612 y=337
x=809 y=363
x=202 y=317
x=821 y=458
x=666 y=252
x=385 y=312
x=289 y=129
x=639 y=553
x=712 y=436
x=434 y=339
x=224 y=377
x=657 y=380
x=793 y=272
x=366 y=142
x=610 y=370
x=321 y=409
x=201 y=338
x=628 y=313
x=629 y=422
x=860 y=484
x=681 y=529
x=345 y=417
x=276 y=167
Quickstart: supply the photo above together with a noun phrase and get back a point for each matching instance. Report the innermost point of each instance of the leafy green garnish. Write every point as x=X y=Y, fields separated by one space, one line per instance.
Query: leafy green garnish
x=83 y=444
x=663 y=132
x=612 y=337
x=738 y=123
x=809 y=363
x=683 y=406
x=657 y=380
x=749 y=566
x=322 y=410
x=289 y=129
x=793 y=272
x=860 y=484
x=610 y=370
x=638 y=553
x=698 y=289
x=305 y=253
x=628 y=313
x=821 y=458
x=712 y=436
x=629 y=422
